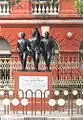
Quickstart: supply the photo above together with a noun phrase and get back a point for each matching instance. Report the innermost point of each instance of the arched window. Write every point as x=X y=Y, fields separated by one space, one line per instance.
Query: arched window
x=5 y=53
x=81 y=51
x=81 y=55
x=56 y=48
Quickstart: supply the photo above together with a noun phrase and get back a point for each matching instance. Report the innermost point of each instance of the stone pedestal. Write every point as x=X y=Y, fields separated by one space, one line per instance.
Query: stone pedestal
x=36 y=84
x=33 y=80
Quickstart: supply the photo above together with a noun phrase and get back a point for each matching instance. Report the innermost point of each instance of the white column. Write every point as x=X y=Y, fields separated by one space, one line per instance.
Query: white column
x=8 y=9
x=35 y=9
x=39 y=9
x=0 y=8
x=43 y=9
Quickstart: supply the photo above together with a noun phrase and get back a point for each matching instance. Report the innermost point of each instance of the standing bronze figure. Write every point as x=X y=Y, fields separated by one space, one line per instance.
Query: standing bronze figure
x=35 y=47
x=47 y=46
x=23 y=48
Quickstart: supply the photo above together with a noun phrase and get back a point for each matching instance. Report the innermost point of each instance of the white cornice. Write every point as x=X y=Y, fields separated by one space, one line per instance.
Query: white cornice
x=67 y=21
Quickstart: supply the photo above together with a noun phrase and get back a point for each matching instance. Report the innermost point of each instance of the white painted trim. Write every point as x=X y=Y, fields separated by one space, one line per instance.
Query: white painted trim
x=67 y=21
x=2 y=52
x=45 y=29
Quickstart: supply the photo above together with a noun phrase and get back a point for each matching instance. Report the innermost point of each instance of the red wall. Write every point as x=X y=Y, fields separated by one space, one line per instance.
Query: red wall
x=22 y=11
x=59 y=33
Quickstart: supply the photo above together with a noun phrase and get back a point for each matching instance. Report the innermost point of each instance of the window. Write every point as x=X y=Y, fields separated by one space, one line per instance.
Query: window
x=4 y=63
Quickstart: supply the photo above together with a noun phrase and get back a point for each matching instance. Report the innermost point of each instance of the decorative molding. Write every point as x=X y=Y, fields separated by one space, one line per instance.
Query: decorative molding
x=37 y=21
x=69 y=35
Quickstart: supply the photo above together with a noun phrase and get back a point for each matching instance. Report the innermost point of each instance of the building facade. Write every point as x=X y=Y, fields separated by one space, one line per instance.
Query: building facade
x=65 y=26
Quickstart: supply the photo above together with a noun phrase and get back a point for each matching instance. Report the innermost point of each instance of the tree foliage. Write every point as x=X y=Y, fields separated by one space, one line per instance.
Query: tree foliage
x=13 y=2
x=79 y=6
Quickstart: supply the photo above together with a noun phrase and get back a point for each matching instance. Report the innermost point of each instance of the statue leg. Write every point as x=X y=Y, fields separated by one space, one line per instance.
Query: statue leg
x=48 y=60
x=21 y=59
x=36 y=61
x=33 y=56
x=45 y=55
x=24 y=60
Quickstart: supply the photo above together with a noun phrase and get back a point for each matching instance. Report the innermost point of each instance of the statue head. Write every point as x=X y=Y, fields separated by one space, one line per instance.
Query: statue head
x=21 y=35
x=46 y=34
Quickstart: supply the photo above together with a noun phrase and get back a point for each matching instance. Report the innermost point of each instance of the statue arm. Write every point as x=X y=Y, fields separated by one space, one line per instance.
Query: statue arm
x=18 y=47
x=38 y=34
x=53 y=48
x=28 y=46
x=36 y=29
x=42 y=47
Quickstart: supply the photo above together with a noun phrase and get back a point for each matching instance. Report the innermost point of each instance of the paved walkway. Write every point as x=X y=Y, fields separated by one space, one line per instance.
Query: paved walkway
x=7 y=117
x=53 y=116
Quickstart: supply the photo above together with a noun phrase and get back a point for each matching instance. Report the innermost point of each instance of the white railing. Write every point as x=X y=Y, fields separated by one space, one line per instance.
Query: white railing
x=4 y=8
x=45 y=8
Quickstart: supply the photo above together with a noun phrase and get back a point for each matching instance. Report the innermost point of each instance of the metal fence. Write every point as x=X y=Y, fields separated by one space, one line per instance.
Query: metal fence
x=66 y=70
x=66 y=98
x=58 y=102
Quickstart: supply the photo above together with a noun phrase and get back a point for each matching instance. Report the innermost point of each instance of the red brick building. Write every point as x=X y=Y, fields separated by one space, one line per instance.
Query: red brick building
x=59 y=18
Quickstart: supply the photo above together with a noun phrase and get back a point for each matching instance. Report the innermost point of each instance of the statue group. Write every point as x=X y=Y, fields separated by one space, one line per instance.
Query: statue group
x=34 y=47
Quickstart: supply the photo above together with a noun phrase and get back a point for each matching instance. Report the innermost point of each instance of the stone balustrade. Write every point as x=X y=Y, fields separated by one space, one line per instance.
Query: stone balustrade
x=45 y=8
x=4 y=8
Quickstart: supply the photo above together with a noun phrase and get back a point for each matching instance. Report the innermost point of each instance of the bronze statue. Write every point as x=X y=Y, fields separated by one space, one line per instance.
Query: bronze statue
x=35 y=47
x=47 y=46
x=23 y=49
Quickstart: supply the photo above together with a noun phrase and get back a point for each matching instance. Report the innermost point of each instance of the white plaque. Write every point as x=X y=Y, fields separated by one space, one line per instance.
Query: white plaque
x=33 y=83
